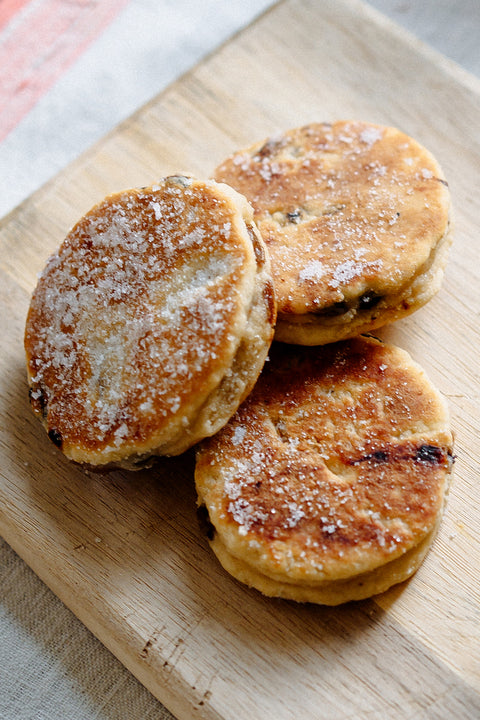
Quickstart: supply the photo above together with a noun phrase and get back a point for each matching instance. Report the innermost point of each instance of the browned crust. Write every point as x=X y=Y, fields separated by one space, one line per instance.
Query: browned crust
x=337 y=464
x=138 y=318
x=351 y=213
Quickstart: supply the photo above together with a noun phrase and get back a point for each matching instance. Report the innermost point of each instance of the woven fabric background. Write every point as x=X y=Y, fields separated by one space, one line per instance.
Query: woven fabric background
x=52 y=667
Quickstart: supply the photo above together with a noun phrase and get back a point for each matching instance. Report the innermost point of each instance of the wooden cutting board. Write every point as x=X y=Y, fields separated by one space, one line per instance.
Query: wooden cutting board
x=124 y=551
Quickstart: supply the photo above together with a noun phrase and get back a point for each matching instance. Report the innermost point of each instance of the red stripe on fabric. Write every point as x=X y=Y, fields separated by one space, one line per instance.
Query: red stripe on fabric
x=9 y=8
x=42 y=46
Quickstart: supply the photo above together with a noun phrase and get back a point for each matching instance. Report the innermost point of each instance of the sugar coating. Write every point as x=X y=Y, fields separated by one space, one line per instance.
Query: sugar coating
x=337 y=455
x=325 y=193
x=138 y=310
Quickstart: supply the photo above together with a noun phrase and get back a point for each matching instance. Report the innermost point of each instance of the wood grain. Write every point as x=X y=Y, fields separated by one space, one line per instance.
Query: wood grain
x=124 y=551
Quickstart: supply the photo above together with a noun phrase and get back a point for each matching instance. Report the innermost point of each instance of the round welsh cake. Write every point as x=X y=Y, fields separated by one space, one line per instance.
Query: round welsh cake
x=150 y=324
x=329 y=482
x=356 y=217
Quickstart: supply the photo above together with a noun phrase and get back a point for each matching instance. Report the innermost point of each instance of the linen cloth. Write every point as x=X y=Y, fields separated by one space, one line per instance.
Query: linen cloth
x=72 y=70
x=69 y=72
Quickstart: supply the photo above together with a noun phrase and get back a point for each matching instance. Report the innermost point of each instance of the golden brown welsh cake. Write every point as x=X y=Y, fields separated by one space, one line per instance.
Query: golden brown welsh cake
x=150 y=324
x=329 y=482
x=356 y=217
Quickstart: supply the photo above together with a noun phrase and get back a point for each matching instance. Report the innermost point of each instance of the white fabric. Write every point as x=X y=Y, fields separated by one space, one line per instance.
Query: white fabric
x=149 y=45
x=52 y=667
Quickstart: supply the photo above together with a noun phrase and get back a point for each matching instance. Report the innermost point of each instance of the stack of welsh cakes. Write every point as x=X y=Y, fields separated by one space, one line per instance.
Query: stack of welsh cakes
x=322 y=459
